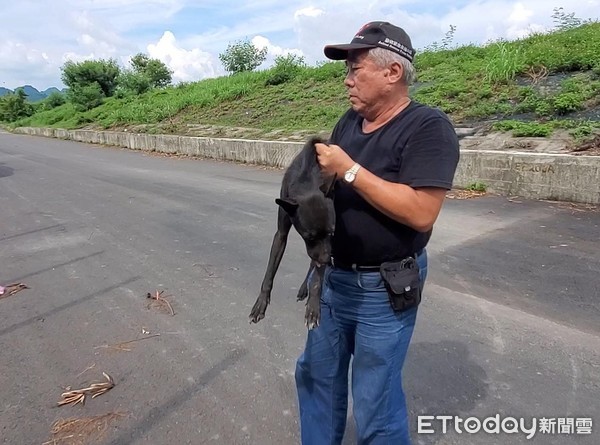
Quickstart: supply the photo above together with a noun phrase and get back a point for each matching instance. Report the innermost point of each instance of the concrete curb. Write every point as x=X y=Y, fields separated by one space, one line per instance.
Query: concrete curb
x=559 y=177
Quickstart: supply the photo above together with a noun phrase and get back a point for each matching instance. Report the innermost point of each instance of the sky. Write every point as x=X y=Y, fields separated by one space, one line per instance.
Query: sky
x=38 y=37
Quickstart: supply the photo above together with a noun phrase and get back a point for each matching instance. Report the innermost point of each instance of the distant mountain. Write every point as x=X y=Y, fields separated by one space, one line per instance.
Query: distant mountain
x=49 y=91
x=33 y=95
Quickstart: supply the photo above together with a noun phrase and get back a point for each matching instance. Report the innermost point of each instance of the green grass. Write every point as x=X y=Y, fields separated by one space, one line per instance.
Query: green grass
x=580 y=130
x=477 y=187
x=530 y=87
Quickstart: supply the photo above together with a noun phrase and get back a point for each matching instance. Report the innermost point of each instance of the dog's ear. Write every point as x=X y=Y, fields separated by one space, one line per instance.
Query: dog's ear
x=315 y=140
x=289 y=205
x=328 y=186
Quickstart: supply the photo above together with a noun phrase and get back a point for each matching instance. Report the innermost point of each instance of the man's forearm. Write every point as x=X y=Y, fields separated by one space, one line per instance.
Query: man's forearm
x=416 y=208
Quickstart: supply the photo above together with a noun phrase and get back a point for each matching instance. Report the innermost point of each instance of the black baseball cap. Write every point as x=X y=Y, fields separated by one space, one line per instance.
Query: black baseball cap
x=373 y=35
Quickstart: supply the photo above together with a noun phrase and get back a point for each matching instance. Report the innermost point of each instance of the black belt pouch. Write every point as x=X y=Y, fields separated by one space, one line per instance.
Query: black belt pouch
x=402 y=282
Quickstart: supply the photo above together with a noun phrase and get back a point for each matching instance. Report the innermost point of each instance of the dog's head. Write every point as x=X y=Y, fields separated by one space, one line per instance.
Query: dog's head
x=313 y=217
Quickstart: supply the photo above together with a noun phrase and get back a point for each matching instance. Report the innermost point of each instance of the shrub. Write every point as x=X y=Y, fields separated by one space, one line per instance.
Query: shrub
x=286 y=68
x=131 y=82
x=242 y=56
x=14 y=106
x=567 y=102
x=85 y=97
x=155 y=72
x=326 y=71
x=55 y=99
x=100 y=73
x=524 y=129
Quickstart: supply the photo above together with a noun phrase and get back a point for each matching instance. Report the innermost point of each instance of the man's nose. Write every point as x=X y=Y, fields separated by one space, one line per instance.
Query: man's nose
x=349 y=80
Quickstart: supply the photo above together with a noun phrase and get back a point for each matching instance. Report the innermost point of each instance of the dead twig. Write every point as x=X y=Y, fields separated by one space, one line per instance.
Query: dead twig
x=161 y=301
x=537 y=73
x=80 y=431
x=11 y=289
x=73 y=397
x=464 y=194
x=121 y=346
x=85 y=370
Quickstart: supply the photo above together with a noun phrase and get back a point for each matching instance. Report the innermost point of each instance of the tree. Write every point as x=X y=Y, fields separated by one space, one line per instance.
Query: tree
x=14 y=106
x=86 y=97
x=103 y=73
x=285 y=69
x=564 y=21
x=131 y=83
x=242 y=56
x=55 y=99
x=157 y=73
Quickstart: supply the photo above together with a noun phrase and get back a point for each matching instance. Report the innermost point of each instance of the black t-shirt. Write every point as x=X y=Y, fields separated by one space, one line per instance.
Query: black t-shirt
x=419 y=148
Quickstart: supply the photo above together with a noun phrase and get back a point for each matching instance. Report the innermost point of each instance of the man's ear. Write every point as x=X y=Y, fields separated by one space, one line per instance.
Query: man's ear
x=328 y=186
x=395 y=72
x=289 y=205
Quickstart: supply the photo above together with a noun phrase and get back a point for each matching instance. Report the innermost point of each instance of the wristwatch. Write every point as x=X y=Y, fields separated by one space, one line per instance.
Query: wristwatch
x=350 y=175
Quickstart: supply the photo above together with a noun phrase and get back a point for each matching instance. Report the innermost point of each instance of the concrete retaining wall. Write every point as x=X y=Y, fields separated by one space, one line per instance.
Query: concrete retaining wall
x=559 y=177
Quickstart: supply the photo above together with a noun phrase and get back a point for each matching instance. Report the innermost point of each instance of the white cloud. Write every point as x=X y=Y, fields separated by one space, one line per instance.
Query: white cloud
x=520 y=14
x=35 y=45
x=187 y=65
x=311 y=11
x=28 y=65
x=274 y=50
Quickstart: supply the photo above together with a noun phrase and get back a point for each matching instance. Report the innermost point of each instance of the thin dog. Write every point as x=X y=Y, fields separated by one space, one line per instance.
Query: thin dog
x=305 y=202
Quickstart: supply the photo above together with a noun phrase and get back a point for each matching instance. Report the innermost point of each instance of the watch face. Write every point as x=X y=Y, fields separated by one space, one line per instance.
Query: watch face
x=349 y=177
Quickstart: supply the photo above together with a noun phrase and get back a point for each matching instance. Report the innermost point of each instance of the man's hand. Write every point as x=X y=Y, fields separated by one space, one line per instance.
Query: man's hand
x=333 y=159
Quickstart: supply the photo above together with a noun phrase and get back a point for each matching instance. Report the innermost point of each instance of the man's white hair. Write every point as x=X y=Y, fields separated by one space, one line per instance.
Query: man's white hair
x=384 y=58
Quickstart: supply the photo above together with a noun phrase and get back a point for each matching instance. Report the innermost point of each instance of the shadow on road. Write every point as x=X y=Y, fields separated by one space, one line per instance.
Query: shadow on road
x=441 y=379
x=547 y=267
x=55 y=266
x=68 y=305
x=17 y=235
x=171 y=405
x=5 y=170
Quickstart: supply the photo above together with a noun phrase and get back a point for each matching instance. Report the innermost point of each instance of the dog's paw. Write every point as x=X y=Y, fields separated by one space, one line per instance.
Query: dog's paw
x=258 y=311
x=312 y=317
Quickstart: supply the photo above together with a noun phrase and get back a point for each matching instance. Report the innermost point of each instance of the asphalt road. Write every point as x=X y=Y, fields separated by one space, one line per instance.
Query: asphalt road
x=509 y=324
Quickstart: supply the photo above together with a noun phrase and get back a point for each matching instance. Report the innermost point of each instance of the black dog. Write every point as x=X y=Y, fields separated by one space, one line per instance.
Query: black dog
x=306 y=202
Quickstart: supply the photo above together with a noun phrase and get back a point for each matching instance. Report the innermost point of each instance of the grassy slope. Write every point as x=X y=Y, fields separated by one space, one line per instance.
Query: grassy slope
x=545 y=81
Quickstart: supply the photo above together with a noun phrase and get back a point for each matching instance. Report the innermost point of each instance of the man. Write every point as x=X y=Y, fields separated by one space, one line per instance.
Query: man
x=397 y=158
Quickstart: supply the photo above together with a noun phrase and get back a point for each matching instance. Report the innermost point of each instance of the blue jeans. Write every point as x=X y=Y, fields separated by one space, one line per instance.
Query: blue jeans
x=356 y=321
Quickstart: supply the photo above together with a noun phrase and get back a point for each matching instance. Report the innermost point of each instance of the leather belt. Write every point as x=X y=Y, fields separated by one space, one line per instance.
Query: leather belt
x=363 y=268
x=354 y=267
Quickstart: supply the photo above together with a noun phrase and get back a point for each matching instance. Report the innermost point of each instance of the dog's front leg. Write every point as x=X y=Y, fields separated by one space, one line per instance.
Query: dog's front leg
x=313 y=304
x=277 y=249
x=303 y=291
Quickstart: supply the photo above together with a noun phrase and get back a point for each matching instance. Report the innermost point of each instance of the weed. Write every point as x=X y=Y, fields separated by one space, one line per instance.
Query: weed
x=477 y=186
x=567 y=102
x=505 y=63
x=525 y=129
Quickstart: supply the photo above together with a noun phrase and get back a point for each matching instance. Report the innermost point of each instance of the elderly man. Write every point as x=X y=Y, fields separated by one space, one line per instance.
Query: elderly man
x=397 y=159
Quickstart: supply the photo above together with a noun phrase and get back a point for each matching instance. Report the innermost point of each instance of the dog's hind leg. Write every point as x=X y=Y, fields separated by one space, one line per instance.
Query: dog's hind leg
x=284 y=224
x=313 y=304
x=303 y=291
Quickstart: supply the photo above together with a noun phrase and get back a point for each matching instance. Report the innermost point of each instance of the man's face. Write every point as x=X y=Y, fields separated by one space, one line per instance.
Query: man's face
x=365 y=81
